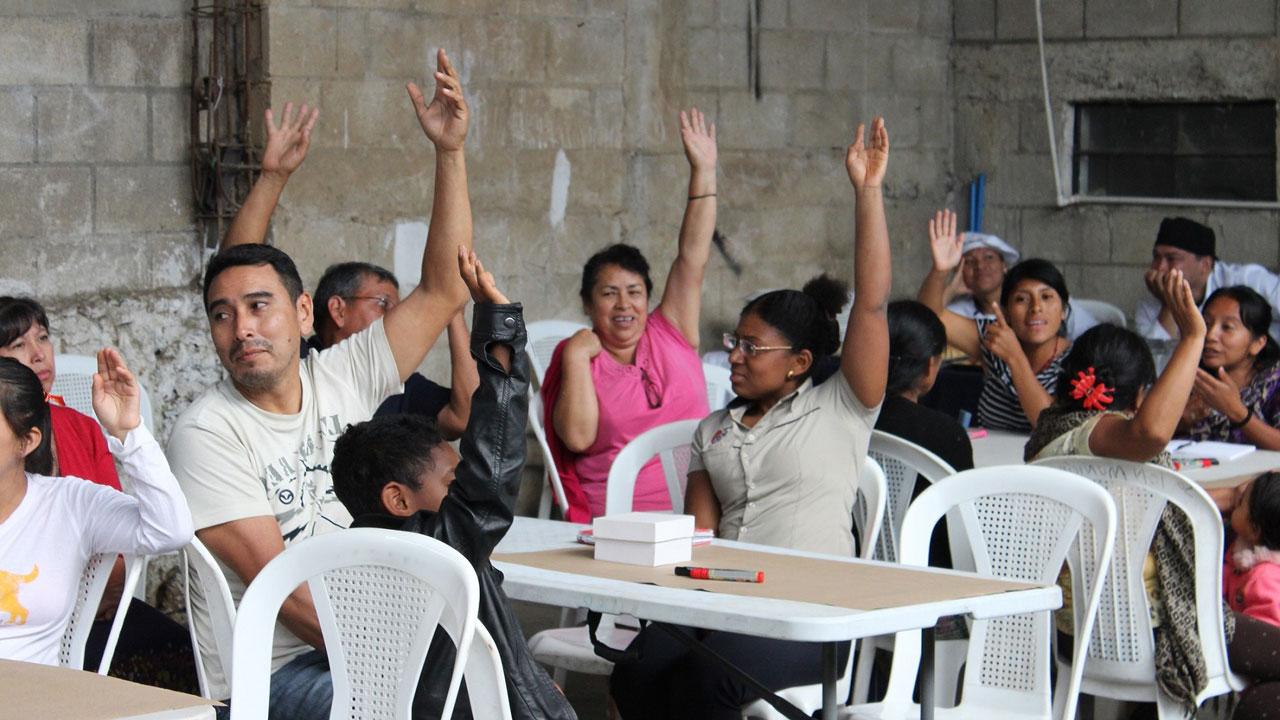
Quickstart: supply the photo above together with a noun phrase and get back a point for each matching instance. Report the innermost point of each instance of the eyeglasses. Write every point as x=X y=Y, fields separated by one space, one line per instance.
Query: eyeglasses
x=652 y=393
x=382 y=300
x=733 y=342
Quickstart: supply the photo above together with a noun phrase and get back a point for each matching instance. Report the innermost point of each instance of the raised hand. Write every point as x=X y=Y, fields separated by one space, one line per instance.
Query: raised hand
x=287 y=143
x=479 y=281
x=699 y=140
x=1000 y=338
x=445 y=119
x=866 y=162
x=1174 y=292
x=944 y=242
x=1221 y=393
x=116 y=396
x=584 y=342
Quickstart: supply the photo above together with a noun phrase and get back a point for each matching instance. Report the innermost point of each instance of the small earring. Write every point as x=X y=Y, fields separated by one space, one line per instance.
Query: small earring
x=790 y=373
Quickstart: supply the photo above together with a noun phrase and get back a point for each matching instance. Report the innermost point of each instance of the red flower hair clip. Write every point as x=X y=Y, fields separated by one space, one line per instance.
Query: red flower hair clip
x=1095 y=394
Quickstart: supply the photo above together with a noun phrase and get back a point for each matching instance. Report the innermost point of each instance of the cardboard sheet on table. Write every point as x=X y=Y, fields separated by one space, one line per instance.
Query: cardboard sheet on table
x=40 y=691
x=857 y=586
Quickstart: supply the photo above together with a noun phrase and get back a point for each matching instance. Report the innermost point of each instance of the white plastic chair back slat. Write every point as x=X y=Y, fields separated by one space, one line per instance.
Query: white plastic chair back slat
x=872 y=495
x=73 y=381
x=1022 y=523
x=719 y=386
x=486 y=684
x=548 y=462
x=902 y=462
x=379 y=595
x=544 y=336
x=220 y=614
x=93 y=581
x=1121 y=657
x=671 y=443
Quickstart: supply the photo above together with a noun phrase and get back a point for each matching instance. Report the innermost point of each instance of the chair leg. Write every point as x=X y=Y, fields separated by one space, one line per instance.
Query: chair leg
x=862 y=675
x=544 y=502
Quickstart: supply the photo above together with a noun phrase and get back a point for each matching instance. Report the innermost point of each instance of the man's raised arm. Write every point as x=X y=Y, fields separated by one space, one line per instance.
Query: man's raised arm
x=286 y=149
x=413 y=325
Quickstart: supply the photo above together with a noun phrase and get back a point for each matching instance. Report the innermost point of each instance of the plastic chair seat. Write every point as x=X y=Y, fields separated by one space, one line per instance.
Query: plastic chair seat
x=570 y=648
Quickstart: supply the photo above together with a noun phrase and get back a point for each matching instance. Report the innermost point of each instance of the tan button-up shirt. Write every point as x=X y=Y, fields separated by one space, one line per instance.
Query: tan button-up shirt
x=791 y=480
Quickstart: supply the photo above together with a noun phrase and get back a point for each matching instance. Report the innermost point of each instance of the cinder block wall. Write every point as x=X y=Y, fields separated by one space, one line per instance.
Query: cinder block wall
x=1185 y=50
x=95 y=198
x=594 y=86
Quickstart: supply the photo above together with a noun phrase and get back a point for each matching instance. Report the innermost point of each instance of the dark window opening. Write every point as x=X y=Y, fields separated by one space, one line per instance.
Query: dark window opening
x=1205 y=151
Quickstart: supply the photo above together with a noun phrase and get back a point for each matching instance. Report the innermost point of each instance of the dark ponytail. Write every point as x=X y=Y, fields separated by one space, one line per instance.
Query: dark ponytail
x=23 y=404
x=1255 y=315
x=806 y=318
x=1120 y=359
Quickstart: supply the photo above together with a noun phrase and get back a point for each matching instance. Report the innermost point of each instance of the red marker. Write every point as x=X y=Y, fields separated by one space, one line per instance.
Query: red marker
x=701 y=573
x=1194 y=463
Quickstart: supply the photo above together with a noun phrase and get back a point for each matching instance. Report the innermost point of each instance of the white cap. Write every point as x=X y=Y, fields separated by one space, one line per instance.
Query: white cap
x=975 y=240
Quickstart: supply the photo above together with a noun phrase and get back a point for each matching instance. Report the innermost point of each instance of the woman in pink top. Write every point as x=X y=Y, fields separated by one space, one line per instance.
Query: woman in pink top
x=635 y=368
x=1251 y=575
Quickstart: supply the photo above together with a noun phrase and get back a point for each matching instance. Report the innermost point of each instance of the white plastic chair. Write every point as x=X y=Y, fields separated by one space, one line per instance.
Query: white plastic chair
x=872 y=496
x=73 y=380
x=719 y=387
x=93 y=583
x=486 y=683
x=902 y=461
x=379 y=595
x=1021 y=522
x=1121 y=658
x=553 y=483
x=219 y=613
x=544 y=336
x=1104 y=311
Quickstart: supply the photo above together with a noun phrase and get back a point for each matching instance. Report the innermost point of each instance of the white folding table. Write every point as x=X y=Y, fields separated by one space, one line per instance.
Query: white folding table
x=759 y=616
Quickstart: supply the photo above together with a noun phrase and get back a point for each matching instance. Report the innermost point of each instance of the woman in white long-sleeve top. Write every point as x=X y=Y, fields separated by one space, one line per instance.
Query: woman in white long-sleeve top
x=51 y=526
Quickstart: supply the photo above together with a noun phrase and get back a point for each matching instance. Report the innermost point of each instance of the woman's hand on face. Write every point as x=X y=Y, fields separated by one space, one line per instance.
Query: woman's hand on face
x=585 y=344
x=116 y=395
x=944 y=242
x=1000 y=338
x=1220 y=392
x=1175 y=294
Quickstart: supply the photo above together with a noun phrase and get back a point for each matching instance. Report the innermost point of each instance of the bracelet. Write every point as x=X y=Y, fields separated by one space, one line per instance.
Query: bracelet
x=699 y=197
x=1237 y=425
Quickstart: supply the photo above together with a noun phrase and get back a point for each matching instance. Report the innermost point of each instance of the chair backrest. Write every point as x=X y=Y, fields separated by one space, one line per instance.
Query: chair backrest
x=93 y=581
x=544 y=336
x=220 y=614
x=902 y=462
x=74 y=382
x=1122 y=651
x=869 y=507
x=1022 y=522
x=719 y=387
x=379 y=595
x=1104 y=311
x=672 y=444
x=486 y=684
x=548 y=462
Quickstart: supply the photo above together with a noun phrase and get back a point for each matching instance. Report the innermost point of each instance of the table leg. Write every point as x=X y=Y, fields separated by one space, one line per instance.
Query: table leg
x=926 y=674
x=830 y=676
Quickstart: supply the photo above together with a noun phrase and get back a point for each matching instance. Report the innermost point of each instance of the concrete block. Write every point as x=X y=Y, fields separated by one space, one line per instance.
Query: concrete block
x=916 y=174
x=1227 y=17
x=1133 y=232
x=791 y=60
x=138 y=263
x=935 y=114
x=44 y=51
x=1120 y=285
x=301 y=41
x=36 y=201
x=901 y=16
x=843 y=15
x=920 y=65
x=352 y=43
x=506 y=50
x=316 y=242
x=734 y=14
x=745 y=122
x=146 y=198
x=848 y=57
x=490 y=118
x=142 y=52
x=1016 y=19
x=17 y=126
x=1247 y=236
x=369 y=114
x=404 y=46
x=520 y=244
x=565 y=117
x=1022 y=180
x=705 y=13
x=1033 y=131
x=581 y=235
x=1011 y=71
x=984 y=132
x=1063 y=235
x=170 y=127
x=825 y=120
x=334 y=186
x=597 y=180
x=1134 y=19
x=902 y=118
x=878 y=64
x=365 y=4
x=616 y=9
x=975 y=19
x=98 y=8
x=814 y=178
x=717 y=58
x=586 y=51
x=936 y=20
x=79 y=124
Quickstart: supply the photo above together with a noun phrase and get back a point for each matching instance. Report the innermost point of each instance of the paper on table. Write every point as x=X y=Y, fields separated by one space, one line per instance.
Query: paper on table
x=1220 y=451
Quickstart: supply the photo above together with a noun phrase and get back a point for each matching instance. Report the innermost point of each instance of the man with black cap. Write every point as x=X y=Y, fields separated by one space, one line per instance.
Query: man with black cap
x=1186 y=245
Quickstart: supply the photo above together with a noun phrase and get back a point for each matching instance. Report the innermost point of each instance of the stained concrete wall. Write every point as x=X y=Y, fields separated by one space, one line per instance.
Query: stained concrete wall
x=1182 y=50
x=95 y=199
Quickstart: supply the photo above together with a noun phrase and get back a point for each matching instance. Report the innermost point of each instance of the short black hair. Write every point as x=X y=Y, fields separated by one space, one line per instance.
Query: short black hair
x=1120 y=359
x=254 y=255
x=17 y=315
x=343 y=280
x=627 y=257
x=806 y=317
x=916 y=336
x=391 y=448
x=24 y=407
x=1255 y=315
x=1264 y=508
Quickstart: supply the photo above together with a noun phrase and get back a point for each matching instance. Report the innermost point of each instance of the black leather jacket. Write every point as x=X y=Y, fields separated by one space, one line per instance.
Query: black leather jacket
x=475 y=515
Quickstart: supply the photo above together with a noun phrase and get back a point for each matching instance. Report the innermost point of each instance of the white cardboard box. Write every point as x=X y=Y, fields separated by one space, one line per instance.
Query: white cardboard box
x=650 y=527
x=649 y=554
